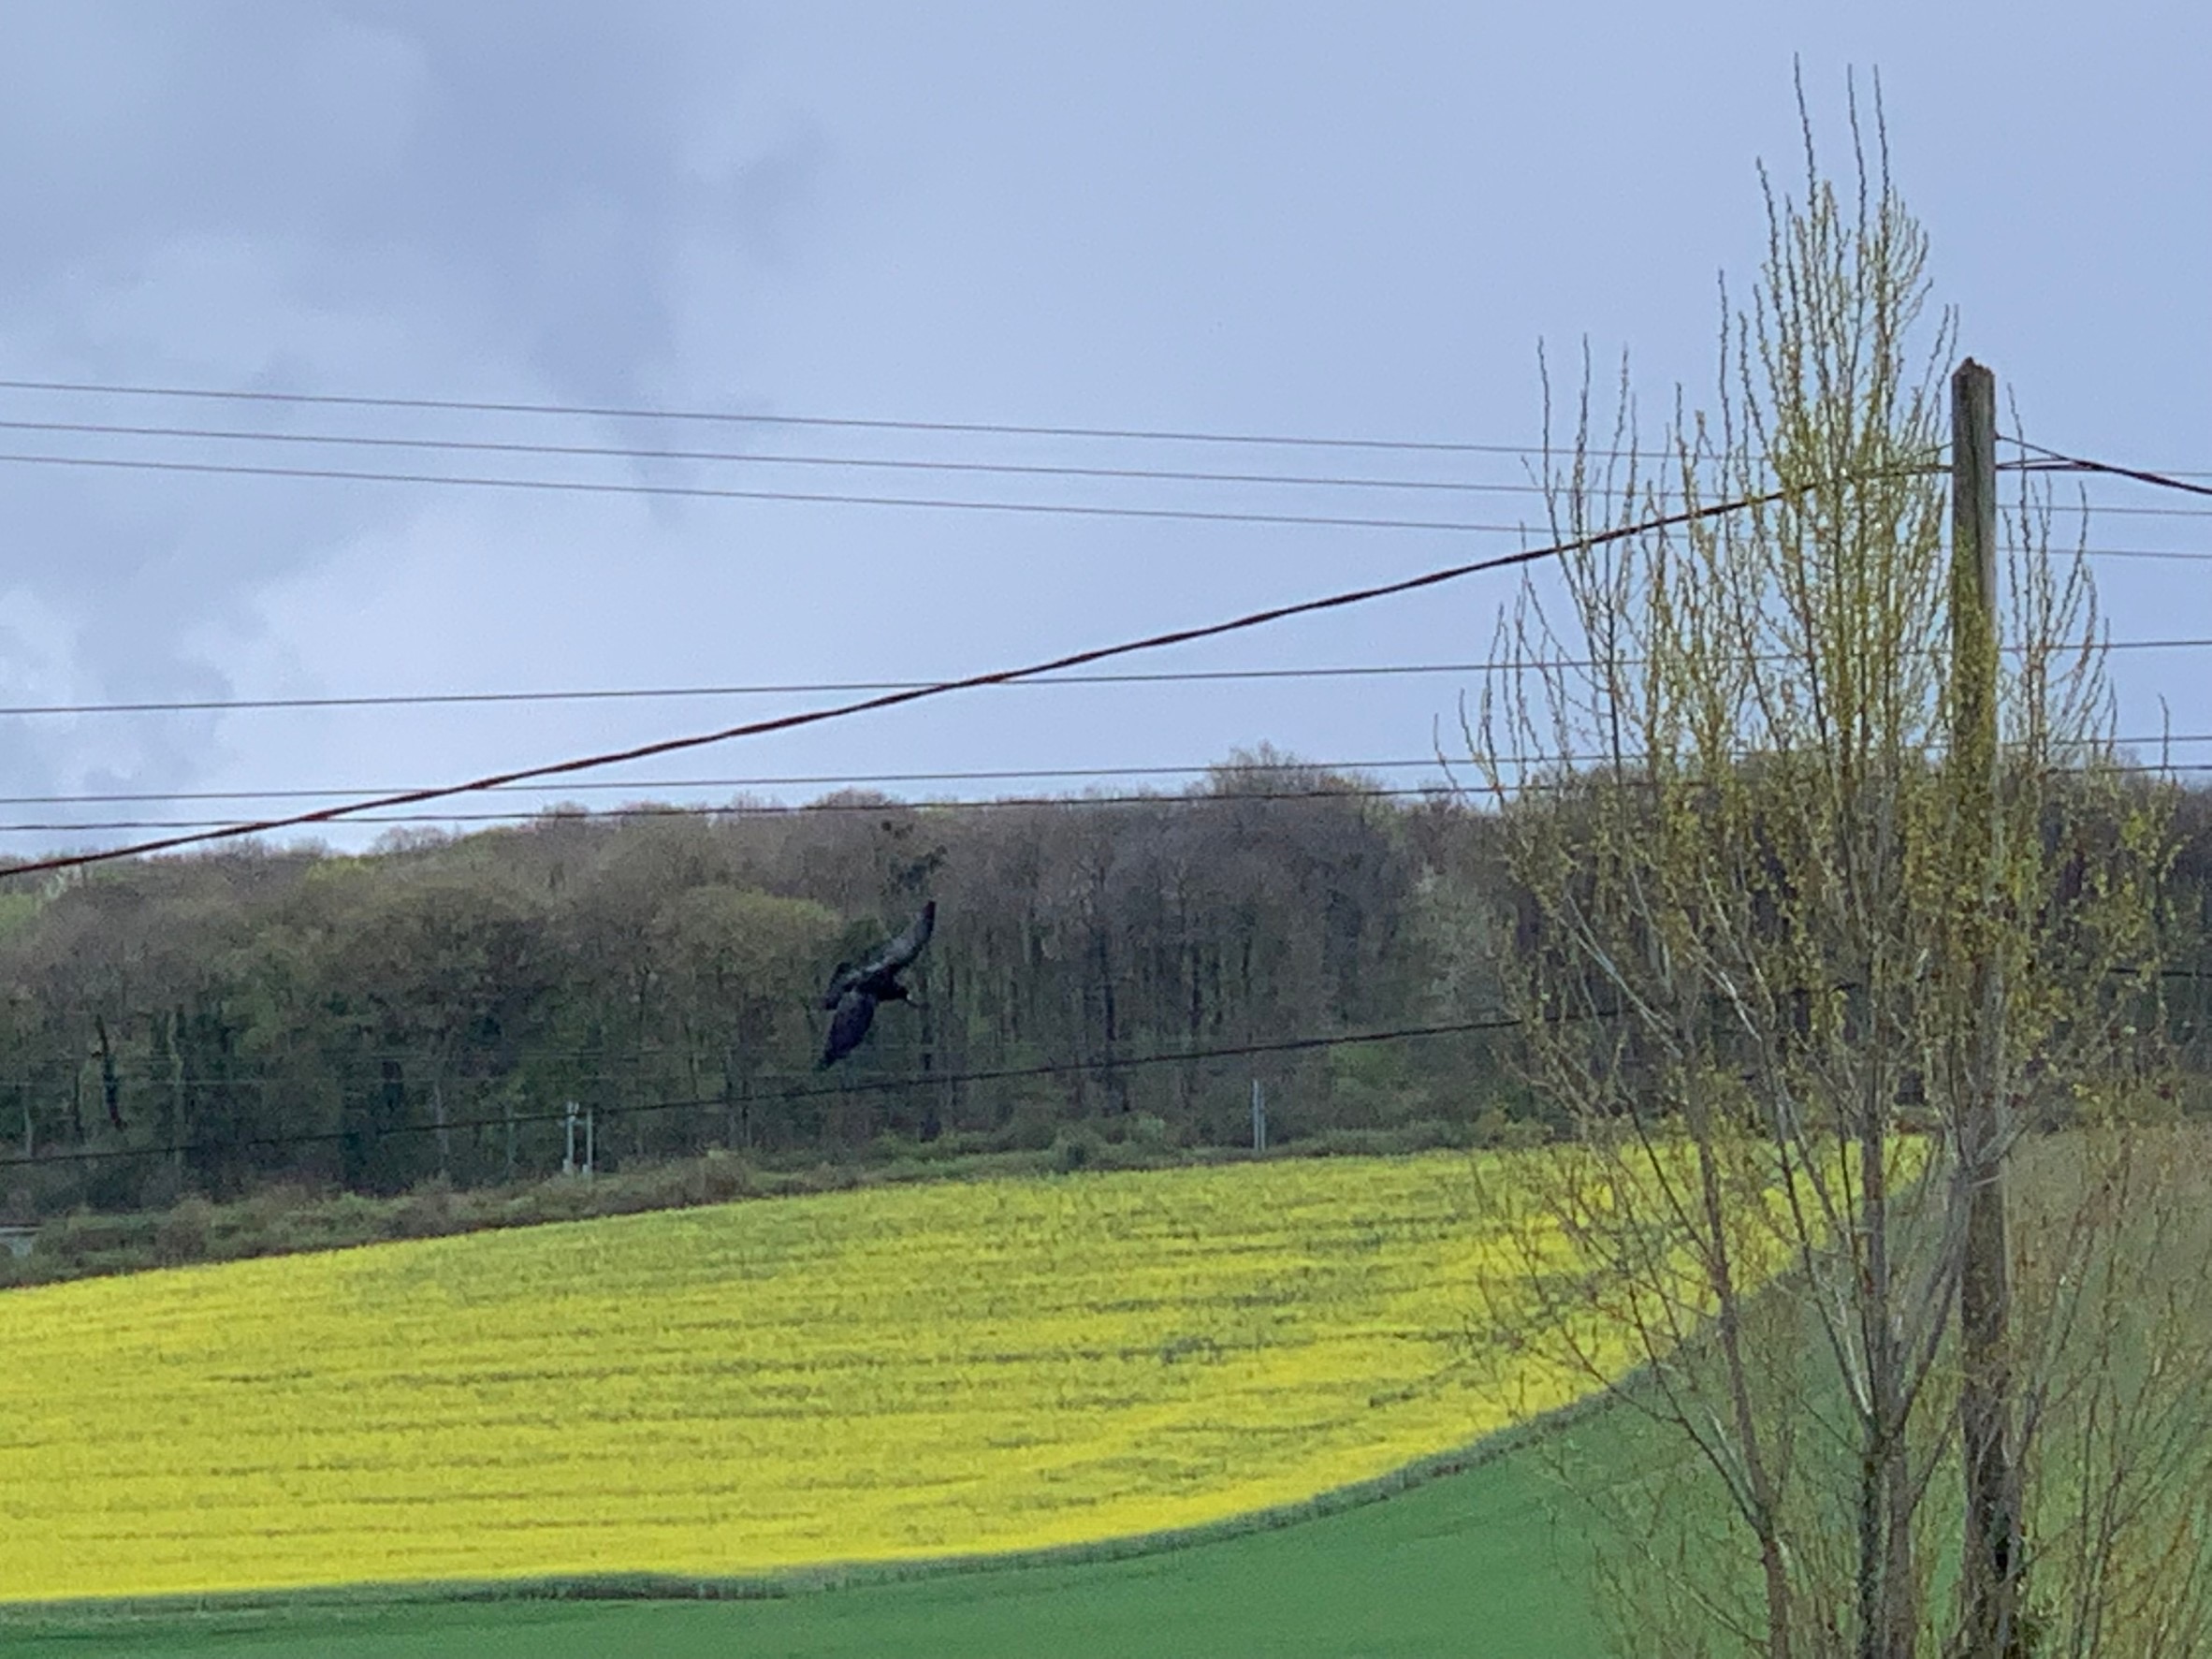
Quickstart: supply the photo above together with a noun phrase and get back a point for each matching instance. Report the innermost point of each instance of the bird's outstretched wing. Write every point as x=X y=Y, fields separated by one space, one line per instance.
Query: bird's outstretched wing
x=853 y=992
x=856 y=1011
x=902 y=951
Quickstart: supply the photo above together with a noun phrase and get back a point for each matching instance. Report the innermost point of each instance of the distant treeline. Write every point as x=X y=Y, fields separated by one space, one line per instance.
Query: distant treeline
x=231 y=1019
x=222 y=1023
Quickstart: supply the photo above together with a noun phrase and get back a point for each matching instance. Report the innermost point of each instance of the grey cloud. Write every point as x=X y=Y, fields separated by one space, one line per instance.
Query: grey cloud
x=475 y=199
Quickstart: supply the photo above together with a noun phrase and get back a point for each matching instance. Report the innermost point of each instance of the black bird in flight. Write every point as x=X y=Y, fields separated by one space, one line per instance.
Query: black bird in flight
x=853 y=992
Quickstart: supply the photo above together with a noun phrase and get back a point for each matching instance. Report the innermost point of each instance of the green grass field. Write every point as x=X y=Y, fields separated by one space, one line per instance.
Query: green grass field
x=1486 y=1563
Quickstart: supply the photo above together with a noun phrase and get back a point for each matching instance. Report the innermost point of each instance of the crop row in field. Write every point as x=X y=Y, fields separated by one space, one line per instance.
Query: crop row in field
x=889 y=1374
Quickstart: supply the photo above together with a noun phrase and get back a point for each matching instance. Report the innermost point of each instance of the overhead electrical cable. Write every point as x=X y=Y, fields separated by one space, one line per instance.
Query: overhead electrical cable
x=892 y=463
x=838 y=498
x=1289 y=766
x=811 y=1091
x=762 y=418
x=813 y=688
x=1441 y=789
x=717 y=492
x=1438 y=790
x=894 y=699
x=765 y=809
x=788 y=780
x=823 y=688
x=831 y=498
x=764 y=458
x=2183 y=556
x=843 y=1087
x=2058 y=460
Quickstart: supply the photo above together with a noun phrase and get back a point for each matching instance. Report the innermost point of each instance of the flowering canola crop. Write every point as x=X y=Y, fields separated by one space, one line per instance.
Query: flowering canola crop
x=893 y=1374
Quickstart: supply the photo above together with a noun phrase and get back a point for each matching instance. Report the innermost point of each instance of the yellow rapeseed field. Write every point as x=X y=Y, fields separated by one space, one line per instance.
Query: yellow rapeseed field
x=892 y=1374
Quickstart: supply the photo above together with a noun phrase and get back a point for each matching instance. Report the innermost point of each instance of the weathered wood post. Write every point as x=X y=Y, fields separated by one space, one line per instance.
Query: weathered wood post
x=1989 y=1575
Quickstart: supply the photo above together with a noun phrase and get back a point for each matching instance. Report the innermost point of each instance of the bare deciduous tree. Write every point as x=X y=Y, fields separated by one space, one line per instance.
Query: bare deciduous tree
x=1750 y=919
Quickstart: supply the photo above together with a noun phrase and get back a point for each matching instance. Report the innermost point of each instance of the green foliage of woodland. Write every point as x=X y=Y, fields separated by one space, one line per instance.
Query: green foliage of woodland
x=225 y=1024
x=305 y=1023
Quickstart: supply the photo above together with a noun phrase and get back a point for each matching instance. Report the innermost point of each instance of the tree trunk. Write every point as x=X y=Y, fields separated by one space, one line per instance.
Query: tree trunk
x=438 y=1117
x=110 y=1090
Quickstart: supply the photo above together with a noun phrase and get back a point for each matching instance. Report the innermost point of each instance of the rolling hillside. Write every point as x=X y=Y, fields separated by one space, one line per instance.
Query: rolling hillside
x=893 y=1375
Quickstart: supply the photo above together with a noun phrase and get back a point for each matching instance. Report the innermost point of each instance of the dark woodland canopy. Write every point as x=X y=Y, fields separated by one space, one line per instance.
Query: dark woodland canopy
x=295 y=1018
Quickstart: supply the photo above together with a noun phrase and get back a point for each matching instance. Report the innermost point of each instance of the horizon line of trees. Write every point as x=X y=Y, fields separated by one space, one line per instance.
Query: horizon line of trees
x=354 y=1021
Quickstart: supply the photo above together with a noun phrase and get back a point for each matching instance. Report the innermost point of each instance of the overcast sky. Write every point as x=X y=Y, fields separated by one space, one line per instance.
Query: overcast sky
x=1341 y=222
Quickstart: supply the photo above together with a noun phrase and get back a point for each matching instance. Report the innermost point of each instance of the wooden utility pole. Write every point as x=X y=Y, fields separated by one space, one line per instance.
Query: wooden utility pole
x=1989 y=1575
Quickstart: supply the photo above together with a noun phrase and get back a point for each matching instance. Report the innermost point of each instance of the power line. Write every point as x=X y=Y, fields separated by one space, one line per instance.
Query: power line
x=839 y=498
x=844 y=1087
x=715 y=492
x=767 y=810
x=2178 y=555
x=2073 y=511
x=889 y=463
x=815 y=688
x=378 y=1133
x=1440 y=789
x=759 y=809
x=763 y=458
x=791 y=780
x=844 y=780
x=604 y=1064
x=2110 y=509
x=736 y=417
x=2116 y=510
x=2052 y=460
x=824 y=688
x=932 y=503
x=891 y=699
x=833 y=497
x=813 y=1091
x=2057 y=460
x=608 y=1061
